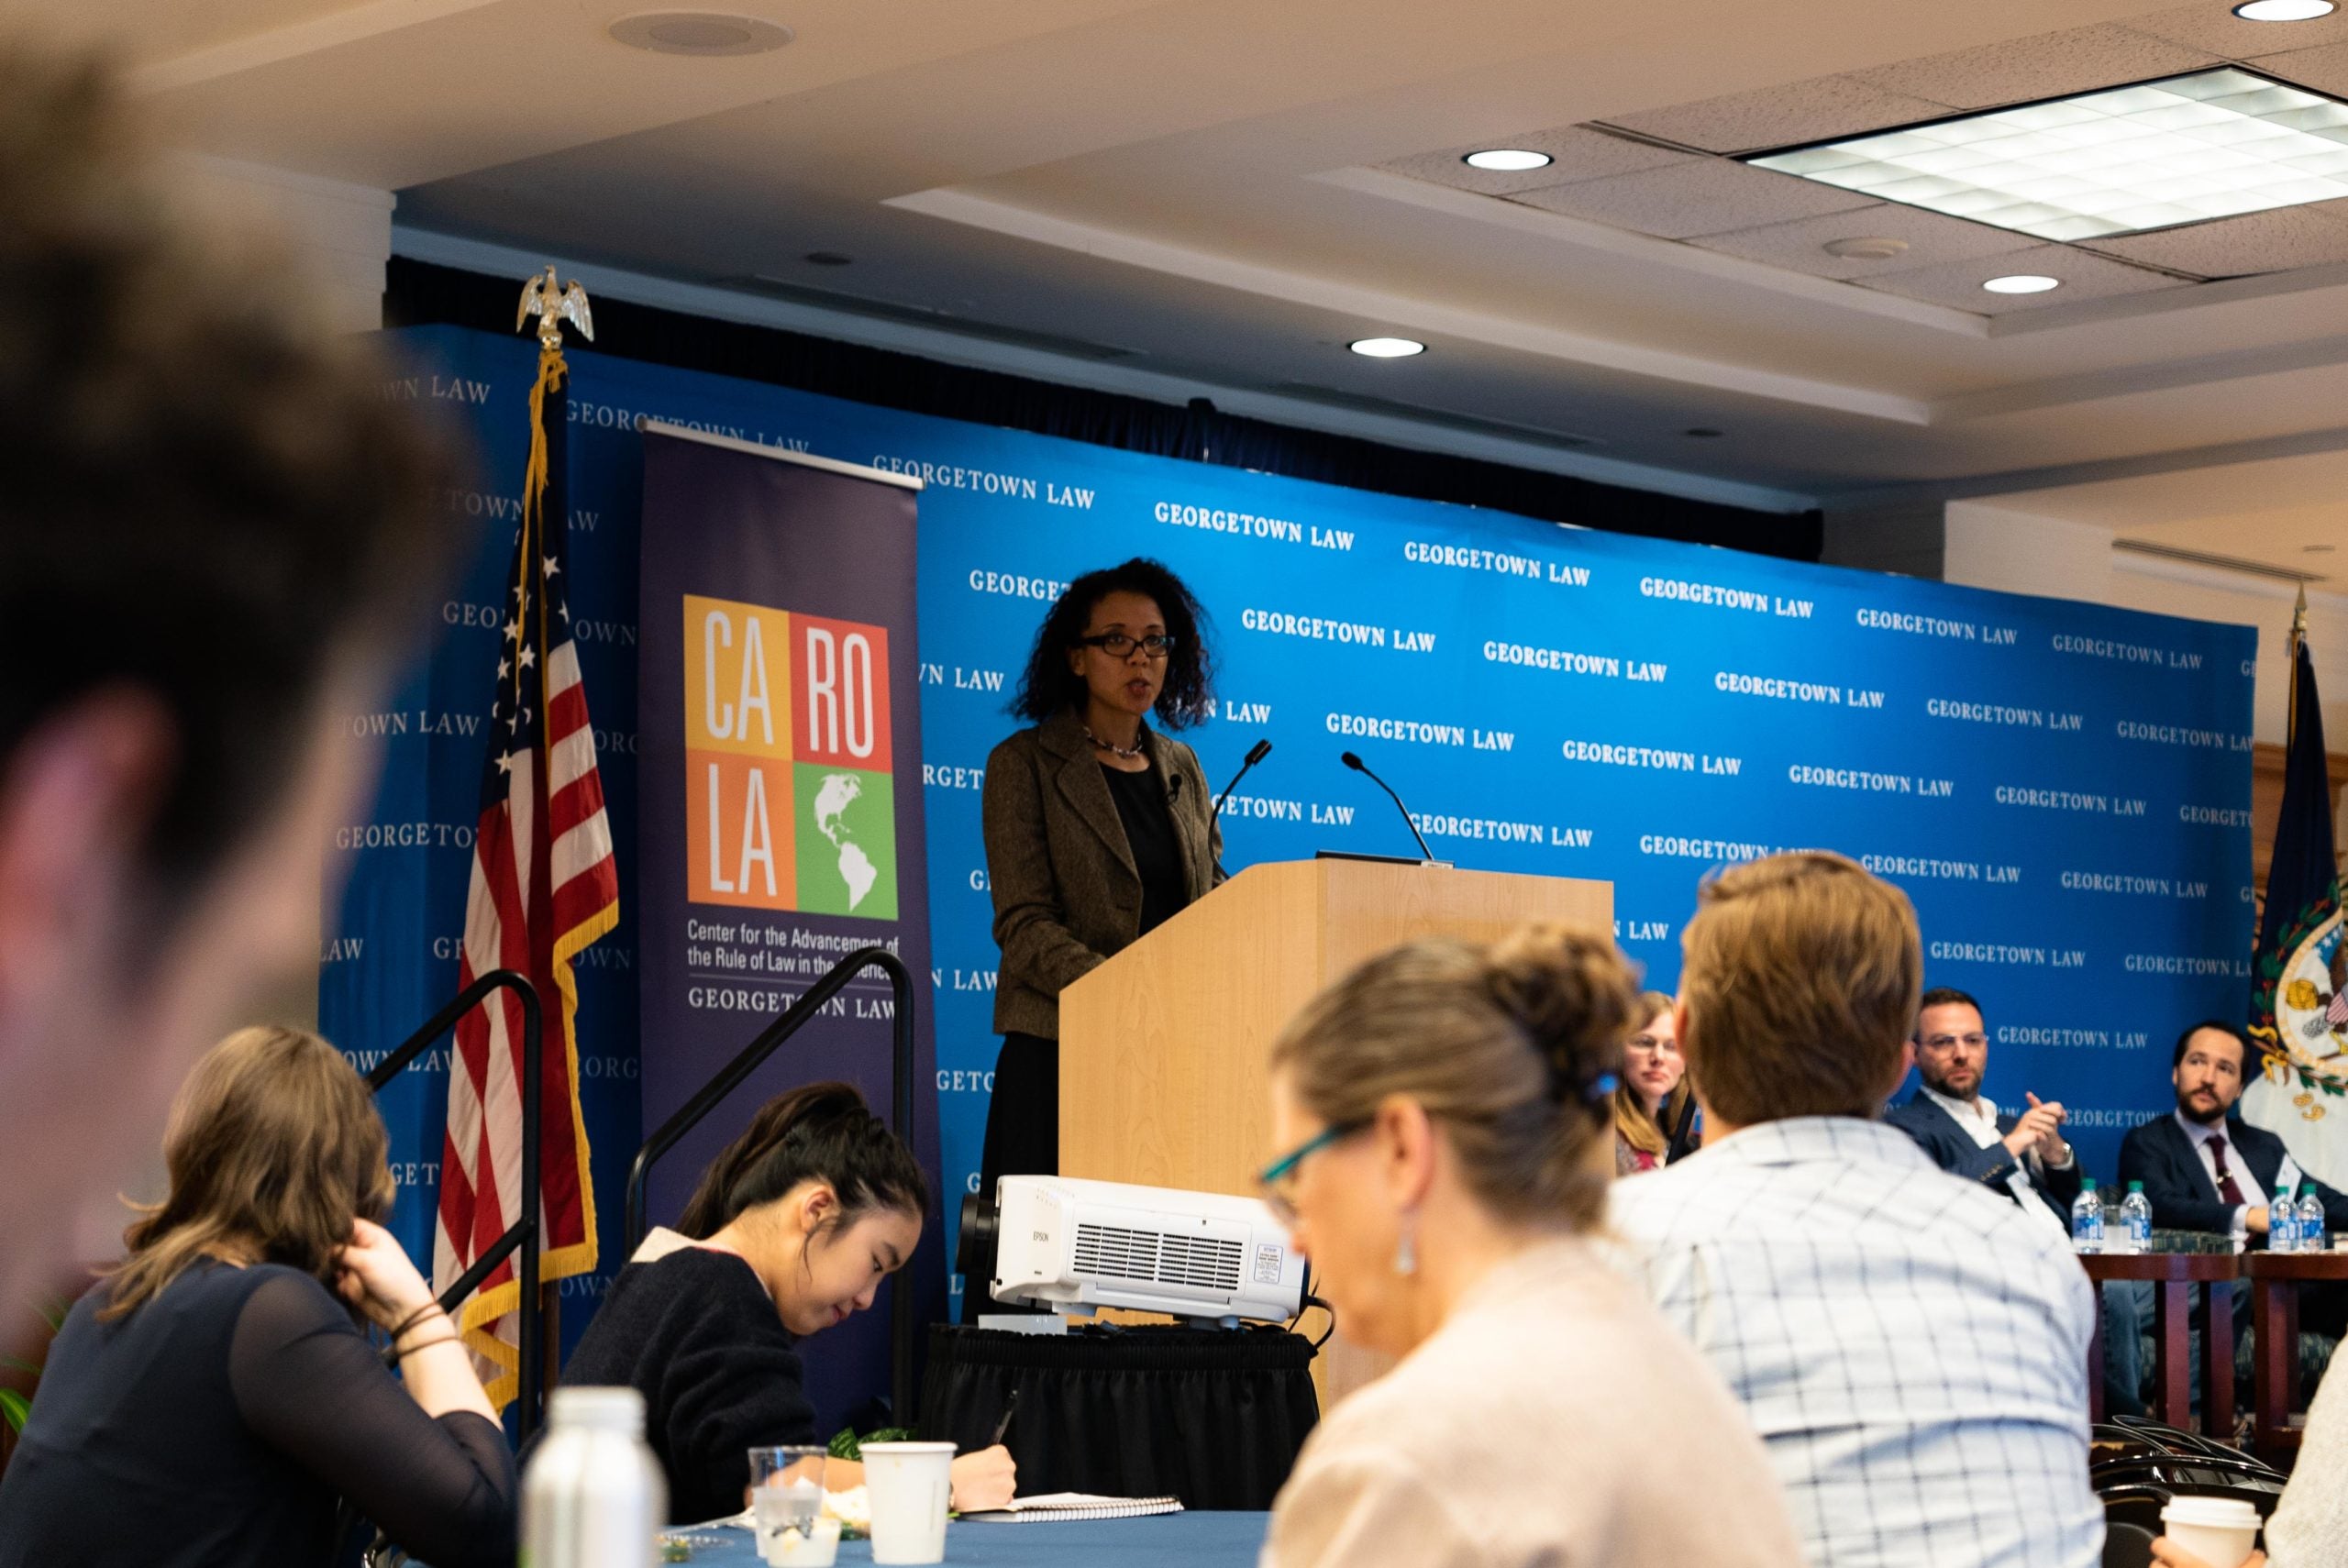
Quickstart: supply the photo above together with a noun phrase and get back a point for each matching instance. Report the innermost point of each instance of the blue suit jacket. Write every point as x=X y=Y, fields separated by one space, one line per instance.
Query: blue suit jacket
x=1952 y=1149
x=2160 y=1155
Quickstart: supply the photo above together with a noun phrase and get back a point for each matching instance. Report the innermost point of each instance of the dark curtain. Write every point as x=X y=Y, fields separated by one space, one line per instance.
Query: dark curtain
x=419 y=293
x=1213 y=1417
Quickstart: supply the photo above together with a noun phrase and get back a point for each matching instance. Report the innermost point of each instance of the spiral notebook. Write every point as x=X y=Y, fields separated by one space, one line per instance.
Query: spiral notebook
x=1075 y=1506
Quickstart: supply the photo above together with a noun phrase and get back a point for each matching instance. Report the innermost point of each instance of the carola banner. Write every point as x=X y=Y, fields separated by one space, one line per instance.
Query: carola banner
x=780 y=815
x=2063 y=789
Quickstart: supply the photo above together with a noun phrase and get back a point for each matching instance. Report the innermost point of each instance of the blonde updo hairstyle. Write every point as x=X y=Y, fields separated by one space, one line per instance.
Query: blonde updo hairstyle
x=1512 y=1046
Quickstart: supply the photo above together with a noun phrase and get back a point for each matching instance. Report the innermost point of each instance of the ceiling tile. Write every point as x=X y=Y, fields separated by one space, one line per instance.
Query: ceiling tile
x=2325 y=67
x=2084 y=277
x=1711 y=195
x=2275 y=241
x=2216 y=29
x=1580 y=154
x=1932 y=239
x=1818 y=110
x=2049 y=65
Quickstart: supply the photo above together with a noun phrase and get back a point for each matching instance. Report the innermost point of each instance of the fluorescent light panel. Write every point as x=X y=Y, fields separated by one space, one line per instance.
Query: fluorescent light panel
x=2185 y=149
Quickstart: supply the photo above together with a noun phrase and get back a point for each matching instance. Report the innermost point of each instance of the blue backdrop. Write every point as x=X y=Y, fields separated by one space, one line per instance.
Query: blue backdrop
x=2063 y=789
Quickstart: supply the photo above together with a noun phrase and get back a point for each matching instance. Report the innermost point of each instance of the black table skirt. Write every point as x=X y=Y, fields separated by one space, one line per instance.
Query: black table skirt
x=1213 y=1418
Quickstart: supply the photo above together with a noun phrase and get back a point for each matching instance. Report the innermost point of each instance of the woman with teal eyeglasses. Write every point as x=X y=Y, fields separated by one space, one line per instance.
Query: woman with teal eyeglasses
x=1446 y=1113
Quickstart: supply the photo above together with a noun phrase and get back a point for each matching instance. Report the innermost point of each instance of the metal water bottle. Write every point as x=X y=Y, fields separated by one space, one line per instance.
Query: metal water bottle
x=593 y=1496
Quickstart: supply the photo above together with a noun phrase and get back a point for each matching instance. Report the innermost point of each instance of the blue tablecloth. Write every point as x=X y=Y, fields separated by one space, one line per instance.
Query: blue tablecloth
x=1168 y=1540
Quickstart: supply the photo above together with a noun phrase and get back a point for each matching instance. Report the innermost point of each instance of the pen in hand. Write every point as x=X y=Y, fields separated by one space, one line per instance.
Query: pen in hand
x=1002 y=1426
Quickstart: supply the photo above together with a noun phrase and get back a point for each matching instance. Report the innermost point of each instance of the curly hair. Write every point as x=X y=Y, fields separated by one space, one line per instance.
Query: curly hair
x=1048 y=686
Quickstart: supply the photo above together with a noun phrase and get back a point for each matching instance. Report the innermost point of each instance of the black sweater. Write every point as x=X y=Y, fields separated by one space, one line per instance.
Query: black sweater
x=695 y=1335
x=216 y=1425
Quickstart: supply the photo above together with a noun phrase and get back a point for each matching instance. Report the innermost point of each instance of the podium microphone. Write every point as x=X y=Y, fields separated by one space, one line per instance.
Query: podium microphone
x=1358 y=766
x=1255 y=754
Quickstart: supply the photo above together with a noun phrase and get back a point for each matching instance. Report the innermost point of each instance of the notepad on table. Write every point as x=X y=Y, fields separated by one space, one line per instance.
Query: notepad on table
x=1076 y=1505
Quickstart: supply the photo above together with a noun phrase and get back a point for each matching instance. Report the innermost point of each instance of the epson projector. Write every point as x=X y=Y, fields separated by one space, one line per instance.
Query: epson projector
x=1060 y=1243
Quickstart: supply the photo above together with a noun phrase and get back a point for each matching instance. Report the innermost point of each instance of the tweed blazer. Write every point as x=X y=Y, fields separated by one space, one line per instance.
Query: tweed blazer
x=1067 y=894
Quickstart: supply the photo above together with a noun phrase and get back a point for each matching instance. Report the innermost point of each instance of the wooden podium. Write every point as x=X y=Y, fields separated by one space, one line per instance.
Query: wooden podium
x=1163 y=1048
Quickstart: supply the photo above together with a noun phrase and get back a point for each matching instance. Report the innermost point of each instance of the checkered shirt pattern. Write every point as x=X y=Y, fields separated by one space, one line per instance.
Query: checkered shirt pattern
x=1911 y=1347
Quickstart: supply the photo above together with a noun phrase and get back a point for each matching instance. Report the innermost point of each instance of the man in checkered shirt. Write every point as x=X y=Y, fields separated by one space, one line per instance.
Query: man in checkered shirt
x=1910 y=1346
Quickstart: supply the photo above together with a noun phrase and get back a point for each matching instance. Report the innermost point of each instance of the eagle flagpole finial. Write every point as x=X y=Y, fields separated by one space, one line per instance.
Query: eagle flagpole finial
x=553 y=304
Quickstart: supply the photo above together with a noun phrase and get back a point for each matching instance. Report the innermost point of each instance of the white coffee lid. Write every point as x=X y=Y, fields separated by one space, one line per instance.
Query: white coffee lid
x=908 y=1448
x=619 y=1409
x=2213 y=1513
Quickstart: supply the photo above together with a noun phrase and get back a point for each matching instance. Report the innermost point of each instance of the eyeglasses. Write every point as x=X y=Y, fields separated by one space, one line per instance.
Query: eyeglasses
x=1651 y=1042
x=1117 y=644
x=1278 y=1179
x=1948 y=1042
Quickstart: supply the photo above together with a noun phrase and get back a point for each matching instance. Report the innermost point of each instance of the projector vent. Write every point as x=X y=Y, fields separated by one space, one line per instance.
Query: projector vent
x=1113 y=1251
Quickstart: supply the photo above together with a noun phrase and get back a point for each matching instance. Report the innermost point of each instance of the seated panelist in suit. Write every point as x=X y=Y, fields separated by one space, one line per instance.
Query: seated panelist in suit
x=2203 y=1169
x=2023 y=1155
x=1098 y=827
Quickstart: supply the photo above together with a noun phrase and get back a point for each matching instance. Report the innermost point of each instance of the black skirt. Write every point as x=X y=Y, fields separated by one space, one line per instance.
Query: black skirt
x=1023 y=1134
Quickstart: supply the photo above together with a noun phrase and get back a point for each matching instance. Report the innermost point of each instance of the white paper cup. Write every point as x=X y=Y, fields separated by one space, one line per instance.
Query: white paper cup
x=2218 y=1530
x=910 y=1484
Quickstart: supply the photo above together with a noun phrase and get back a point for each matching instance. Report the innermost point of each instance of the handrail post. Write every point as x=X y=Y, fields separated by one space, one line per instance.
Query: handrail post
x=530 y=1376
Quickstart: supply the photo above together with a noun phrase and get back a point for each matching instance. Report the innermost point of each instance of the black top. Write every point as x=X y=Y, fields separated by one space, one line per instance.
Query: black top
x=1149 y=834
x=695 y=1335
x=214 y=1427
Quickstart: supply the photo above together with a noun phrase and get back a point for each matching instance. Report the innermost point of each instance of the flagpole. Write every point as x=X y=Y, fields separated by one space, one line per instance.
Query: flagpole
x=2298 y=636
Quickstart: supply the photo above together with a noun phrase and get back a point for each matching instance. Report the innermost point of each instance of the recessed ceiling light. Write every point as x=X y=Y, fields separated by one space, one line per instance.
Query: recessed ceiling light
x=1507 y=159
x=1866 y=249
x=1387 y=347
x=2284 y=10
x=2023 y=283
x=2184 y=149
x=699 y=32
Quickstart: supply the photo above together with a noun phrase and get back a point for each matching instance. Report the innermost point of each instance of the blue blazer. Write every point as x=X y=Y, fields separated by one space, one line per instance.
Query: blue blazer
x=2160 y=1155
x=1952 y=1149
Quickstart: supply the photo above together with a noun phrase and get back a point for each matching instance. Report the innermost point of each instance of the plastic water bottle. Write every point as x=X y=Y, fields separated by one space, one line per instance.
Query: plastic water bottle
x=2087 y=1219
x=2136 y=1210
x=2283 y=1223
x=593 y=1496
x=2312 y=1221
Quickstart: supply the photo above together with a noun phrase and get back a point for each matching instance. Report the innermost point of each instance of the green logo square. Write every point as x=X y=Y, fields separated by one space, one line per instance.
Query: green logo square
x=848 y=841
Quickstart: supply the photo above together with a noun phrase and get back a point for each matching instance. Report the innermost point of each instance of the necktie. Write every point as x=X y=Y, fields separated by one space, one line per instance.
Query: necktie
x=2226 y=1187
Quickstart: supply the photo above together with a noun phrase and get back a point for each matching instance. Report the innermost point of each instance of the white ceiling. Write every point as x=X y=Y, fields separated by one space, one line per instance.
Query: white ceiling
x=1224 y=189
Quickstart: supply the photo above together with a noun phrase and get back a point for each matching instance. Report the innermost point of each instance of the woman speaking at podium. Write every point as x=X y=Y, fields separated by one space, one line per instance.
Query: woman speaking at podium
x=1098 y=827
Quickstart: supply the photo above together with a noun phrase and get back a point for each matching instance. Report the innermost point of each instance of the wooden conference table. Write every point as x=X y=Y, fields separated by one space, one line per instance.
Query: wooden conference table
x=2176 y=1278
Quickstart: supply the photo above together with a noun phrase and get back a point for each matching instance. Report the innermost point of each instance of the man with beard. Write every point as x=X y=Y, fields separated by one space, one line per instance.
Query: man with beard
x=2022 y=1156
x=2202 y=1168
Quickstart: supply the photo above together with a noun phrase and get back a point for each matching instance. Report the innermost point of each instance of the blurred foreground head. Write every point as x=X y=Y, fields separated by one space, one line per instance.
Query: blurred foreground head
x=212 y=529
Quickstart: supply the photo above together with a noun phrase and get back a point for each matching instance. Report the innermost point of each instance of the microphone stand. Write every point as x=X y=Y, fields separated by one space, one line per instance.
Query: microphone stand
x=1358 y=766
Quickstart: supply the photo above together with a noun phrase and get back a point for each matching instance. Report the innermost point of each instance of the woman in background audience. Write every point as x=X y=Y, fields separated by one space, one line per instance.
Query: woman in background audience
x=1445 y=1112
x=1648 y=1099
x=210 y=1401
x=792 y=1229
x=2309 y=1527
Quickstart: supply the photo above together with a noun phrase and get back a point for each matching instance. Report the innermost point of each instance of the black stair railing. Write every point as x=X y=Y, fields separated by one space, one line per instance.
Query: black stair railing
x=530 y=1388
x=901 y=1327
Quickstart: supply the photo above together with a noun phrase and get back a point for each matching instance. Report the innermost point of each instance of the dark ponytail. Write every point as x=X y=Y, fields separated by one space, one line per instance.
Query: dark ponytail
x=820 y=1132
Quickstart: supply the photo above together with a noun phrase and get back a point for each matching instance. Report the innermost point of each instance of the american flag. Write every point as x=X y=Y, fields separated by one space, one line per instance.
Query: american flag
x=544 y=886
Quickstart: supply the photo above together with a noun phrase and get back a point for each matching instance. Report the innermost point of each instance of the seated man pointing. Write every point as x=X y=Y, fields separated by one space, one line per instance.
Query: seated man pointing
x=2022 y=1156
